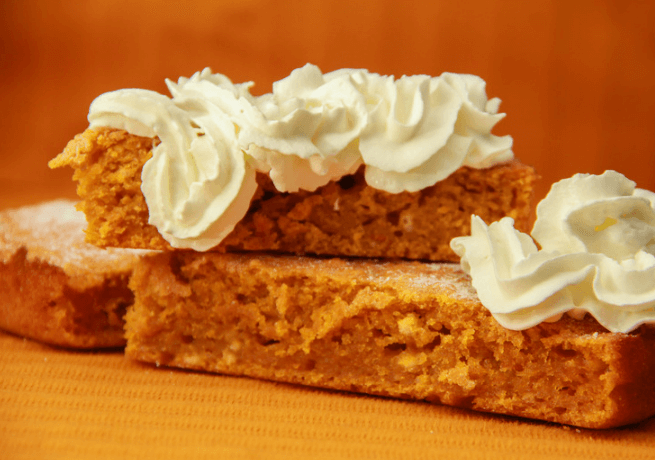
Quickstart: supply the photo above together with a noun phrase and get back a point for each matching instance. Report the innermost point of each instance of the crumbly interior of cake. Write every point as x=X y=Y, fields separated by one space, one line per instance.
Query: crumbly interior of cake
x=397 y=329
x=107 y=167
x=42 y=302
x=346 y=217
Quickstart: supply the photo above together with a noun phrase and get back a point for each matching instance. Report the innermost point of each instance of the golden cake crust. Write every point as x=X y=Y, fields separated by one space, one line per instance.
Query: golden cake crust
x=55 y=287
x=399 y=329
x=345 y=217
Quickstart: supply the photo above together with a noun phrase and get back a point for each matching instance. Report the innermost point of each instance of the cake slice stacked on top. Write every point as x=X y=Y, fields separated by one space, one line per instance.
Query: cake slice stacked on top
x=343 y=164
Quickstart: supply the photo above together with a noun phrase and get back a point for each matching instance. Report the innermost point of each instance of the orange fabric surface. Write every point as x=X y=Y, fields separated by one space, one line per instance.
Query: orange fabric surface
x=60 y=404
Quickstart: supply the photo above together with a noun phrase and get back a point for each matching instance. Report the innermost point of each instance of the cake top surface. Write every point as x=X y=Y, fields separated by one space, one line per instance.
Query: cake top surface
x=53 y=232
x=419 y=279
x=313 y=128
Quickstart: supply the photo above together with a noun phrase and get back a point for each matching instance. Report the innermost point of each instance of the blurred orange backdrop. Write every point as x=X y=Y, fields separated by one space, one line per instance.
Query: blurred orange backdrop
x=577 y=77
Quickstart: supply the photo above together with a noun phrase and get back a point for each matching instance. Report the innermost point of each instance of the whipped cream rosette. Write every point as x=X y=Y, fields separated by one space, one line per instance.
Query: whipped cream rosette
x=197 y=185
x=597 y=244
x=214 y=88
x=304 y=134
x=423 y=128
x=475 y=120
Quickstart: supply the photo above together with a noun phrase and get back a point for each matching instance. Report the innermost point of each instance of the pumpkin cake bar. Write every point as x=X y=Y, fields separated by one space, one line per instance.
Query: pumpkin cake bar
x=400 y=329
x=345 y=217
x=54 y=287
x=346 y=163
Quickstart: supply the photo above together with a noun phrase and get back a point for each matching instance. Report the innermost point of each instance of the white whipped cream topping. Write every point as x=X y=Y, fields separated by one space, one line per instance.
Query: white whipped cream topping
x=597 y=239
x=421 y=129
x=197 y=185
x=304 y=132
x=311 y=129
x=216 y=89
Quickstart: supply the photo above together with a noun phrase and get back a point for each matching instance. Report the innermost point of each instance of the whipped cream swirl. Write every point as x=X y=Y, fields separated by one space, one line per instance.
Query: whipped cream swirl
x=215 y=88
x=197 y=185
x=304 y=133
x=597 y=256
x=421 y=129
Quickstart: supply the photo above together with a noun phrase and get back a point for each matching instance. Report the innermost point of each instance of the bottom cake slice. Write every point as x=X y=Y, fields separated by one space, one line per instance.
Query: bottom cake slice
x=399 y=329
x=54 y=287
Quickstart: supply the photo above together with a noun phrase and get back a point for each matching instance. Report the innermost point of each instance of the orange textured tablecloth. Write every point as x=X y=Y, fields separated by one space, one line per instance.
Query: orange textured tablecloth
x=63 y=404
x=60 y=404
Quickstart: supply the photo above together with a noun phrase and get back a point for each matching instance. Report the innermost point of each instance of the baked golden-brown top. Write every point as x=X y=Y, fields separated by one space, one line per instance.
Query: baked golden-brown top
x=53 y=233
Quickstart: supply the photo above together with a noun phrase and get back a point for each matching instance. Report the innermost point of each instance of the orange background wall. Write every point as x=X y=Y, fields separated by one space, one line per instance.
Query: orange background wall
x=577 y=77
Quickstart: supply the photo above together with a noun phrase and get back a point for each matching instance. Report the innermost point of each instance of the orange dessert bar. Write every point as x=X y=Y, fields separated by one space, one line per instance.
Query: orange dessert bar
x=401 y=329
x=345 y=217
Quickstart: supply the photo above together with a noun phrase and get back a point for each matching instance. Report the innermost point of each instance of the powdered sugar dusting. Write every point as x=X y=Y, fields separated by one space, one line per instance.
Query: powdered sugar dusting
x=434 y=277
x=446 y=276
x=418 y=277
x=53 y=232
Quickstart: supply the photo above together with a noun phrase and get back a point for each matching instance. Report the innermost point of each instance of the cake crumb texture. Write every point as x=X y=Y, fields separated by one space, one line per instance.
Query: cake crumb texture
x=345 y=217
x=398 y=329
